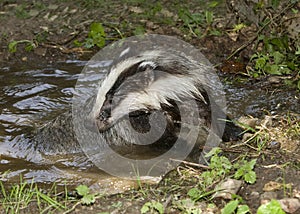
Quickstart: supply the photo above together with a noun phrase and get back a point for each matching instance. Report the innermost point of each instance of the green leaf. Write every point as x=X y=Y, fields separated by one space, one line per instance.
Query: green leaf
x=213 y=4
x=12 y=46
x=215 y=150
x=260 y=63
x=152 y=205
x=77 y=43
x=250 y=177
x=273 y=69
x=275 y=3
x=230 y=207
x=243 y=209
x=278 y=57
x=238 y=27
x=273 y=207
x=158 y=206
x=96 y=35
x=88 y=199
x=245 y=170
x=139 y=30
x=82 y=190
x=30 y=46
x=146 y=207
x=194 y=193
x=209 y=17
x=96 y=29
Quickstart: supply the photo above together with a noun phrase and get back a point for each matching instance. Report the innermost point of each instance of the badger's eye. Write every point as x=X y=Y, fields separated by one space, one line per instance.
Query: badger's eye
x=138 y=113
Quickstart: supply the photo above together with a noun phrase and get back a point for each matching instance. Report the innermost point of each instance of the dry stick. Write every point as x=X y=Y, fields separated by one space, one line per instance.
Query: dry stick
x=191 y=163
x=258 y=32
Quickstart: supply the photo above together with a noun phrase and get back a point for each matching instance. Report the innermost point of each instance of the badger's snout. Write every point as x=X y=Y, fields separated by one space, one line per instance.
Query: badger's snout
x=100 y=123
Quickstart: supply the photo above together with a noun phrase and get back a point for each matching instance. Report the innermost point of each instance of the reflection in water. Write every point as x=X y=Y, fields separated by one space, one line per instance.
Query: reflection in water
x=30 y=96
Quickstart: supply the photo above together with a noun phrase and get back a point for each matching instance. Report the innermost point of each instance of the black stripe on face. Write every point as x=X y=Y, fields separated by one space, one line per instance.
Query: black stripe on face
x=111 y=100
x=129 y=72
x=170 y=66
x=145 y=76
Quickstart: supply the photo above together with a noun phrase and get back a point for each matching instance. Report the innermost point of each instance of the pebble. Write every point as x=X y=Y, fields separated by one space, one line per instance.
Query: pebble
x=227 y=188
x=290 y=205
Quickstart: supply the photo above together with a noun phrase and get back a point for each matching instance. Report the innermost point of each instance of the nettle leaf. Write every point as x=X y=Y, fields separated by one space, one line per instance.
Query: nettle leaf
x=96 y=35
x=230 y=207
x=194 y=193
x=30 y=46
x=145 y=208
x=153 y=205
x=273 y=69
x=158 y=206
x=278 y=57
x=269 y=208
x=260 y=63
x=96 y=29
x=88 y=199
x=252 y=163
x=243 y=209
x=82 y=190
x=250 y=177
x=12 y=46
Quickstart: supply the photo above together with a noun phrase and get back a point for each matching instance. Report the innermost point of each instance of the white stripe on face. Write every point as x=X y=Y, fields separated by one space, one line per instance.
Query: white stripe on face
x=113 y=75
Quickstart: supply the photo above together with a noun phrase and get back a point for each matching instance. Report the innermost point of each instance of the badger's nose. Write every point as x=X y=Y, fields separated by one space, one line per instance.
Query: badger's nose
x=90 y=124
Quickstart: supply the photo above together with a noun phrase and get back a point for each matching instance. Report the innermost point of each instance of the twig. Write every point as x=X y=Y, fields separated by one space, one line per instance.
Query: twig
x=258 y=32
x=191 y=163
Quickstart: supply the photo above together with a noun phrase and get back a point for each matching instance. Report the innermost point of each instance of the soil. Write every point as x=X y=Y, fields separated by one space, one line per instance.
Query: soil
x=53 y=26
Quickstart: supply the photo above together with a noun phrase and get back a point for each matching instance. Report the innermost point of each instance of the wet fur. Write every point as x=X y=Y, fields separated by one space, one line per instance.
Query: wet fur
x=146 y=92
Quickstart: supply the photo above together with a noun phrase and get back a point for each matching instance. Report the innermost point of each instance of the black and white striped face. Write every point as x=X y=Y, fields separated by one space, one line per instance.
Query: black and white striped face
x=142 y=84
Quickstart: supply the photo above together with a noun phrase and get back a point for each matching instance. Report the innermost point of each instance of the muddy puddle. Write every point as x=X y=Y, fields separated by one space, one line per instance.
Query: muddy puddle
x=33 y=94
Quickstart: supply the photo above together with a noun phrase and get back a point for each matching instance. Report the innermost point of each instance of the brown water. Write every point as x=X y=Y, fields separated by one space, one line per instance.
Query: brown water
x=32 y=94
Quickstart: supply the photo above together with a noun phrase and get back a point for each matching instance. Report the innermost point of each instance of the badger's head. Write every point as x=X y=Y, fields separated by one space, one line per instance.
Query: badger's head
x=140 y=85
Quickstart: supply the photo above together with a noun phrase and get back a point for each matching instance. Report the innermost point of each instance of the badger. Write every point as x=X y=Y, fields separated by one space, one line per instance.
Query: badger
x=147 y=101
x=144 y=101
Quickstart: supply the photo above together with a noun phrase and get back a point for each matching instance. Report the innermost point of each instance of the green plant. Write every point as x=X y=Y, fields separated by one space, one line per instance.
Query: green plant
x=219 y=168
x=21 y=11
x=20 y=195
x=272 y=207
x=96 y=36
x=152 y=207
x=188 y=206
x=276 y=58
x=139 y=30
x=87 y=198
x=234 y=207
x=260 y=136
x=244 y=169
x=194 y=22
x=29 y=45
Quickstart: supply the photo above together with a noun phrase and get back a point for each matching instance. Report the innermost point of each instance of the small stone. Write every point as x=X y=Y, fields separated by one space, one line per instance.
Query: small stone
x=272 y=186
x=274 y=79
x=246 y=137
x=254 y=194
x=249 y=121
x=290 y=205
x=267 y=196
x=227 y=188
